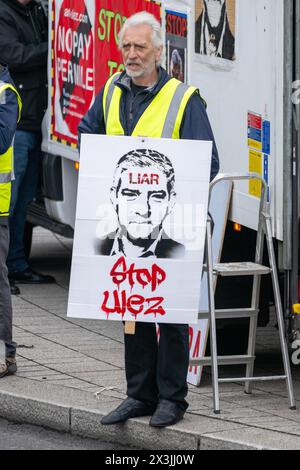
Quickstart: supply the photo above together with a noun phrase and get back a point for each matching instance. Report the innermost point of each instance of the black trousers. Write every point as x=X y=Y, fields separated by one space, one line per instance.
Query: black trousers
x=157 y=370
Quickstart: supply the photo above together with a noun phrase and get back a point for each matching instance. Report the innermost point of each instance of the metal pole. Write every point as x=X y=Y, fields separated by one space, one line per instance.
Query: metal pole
x=255 y=301
x=284 y=348
x=213 y=329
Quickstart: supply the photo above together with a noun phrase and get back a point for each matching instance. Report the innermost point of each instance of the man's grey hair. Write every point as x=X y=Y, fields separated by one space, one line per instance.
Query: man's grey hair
x=145 y=158
x=143 y=17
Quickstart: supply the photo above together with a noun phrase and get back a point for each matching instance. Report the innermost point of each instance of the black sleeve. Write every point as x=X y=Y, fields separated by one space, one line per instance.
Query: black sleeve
x=196 y=126
x=93 y=121
x=8 y=120
x=19 y=56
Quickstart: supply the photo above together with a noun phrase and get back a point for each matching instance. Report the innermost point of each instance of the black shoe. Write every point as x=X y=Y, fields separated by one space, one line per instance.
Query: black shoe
x=9 y=368
x=28 y=276
x=167 y=413
x=14 y=290
x=11 y=364
x=129 y=408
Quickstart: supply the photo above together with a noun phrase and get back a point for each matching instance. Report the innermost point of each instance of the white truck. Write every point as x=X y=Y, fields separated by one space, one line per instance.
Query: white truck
x=244 y=55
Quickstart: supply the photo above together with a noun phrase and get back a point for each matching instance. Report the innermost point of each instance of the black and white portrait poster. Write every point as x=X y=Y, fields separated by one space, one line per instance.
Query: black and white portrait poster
x=140 y=229
x=215 y=28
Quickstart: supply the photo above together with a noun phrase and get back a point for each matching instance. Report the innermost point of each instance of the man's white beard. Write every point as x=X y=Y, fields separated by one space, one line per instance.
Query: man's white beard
x=146 y=70
x=214 y=10
x=133 y=74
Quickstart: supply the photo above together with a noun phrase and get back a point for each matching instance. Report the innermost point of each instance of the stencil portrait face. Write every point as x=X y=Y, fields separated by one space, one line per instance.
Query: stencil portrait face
x=142 y=202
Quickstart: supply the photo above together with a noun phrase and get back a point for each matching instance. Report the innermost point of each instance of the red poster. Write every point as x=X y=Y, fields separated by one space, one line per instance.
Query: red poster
x=110 y=15
x=84 y=52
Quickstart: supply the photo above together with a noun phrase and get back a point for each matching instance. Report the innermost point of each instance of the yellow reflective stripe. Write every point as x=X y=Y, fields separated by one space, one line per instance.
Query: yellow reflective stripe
x=5 y=177
x=113 y=124
x=176 y=131
x=170 y=121
x=107 y=89
x=9 y=86
x=110 y=93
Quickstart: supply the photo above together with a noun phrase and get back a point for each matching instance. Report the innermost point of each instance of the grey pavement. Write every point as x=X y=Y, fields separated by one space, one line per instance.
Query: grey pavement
x=71 y=373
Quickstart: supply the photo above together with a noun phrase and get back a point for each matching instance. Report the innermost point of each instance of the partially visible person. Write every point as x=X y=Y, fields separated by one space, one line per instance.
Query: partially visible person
x=145 y=101
x=10 y=108
x=23 y=46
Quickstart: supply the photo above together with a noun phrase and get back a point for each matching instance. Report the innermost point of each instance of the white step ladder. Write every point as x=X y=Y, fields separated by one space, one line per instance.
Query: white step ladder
x=244 y=269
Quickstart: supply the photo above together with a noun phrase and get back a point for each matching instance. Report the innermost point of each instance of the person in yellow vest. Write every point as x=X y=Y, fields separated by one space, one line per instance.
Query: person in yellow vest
x=10 y=111
x=145 y=101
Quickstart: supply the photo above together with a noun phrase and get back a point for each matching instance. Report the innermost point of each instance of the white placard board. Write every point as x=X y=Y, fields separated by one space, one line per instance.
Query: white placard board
x=140 y=229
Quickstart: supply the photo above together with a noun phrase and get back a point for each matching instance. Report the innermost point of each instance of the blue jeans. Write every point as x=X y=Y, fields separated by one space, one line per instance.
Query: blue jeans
x=27 y=164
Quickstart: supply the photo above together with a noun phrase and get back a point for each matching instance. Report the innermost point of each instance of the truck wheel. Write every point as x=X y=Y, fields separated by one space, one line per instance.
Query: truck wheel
x=27 y=239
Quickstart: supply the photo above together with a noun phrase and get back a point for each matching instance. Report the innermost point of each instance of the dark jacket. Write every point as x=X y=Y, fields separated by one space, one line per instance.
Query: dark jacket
x=8 y=112
x=23 y=46
x=195 y=124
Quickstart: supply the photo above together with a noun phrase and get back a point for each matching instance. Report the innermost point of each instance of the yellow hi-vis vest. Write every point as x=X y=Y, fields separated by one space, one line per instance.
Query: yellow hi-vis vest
x=6 y=163
x=163 y=116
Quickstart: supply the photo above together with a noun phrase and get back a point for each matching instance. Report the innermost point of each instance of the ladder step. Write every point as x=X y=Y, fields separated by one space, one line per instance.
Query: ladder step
x=223 y=360
x=253 y=379
x=240 y=269
x=230 y=313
